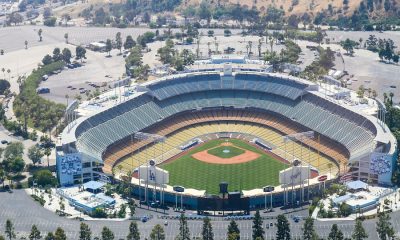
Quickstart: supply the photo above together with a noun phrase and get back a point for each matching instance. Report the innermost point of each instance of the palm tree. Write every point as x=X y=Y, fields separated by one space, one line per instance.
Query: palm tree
x=384 y=96
x=8 y=72
x=3 y=70
x=40 y=34
x=391 y=94
x=66 y=38
x=26 y=44
x=271 y=43
x=67 y=97
x=259 y=47
x=250 y=46
x=47 y=152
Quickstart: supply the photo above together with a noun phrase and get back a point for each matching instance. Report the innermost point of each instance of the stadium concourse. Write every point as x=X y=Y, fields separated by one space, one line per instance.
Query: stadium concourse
x=124 y=129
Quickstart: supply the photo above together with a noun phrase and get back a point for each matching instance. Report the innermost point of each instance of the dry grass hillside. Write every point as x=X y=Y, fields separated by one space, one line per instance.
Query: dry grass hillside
x=299 y=7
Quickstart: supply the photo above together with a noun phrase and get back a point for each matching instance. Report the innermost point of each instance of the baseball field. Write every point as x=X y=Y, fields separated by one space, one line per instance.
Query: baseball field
x=241 y=164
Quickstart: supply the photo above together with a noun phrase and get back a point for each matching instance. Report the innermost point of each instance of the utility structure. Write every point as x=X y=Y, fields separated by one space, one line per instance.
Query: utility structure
x=154 y=138
x=299 y=137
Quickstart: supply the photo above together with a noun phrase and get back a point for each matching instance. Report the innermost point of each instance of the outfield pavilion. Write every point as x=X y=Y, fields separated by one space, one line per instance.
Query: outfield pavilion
x=350 y=137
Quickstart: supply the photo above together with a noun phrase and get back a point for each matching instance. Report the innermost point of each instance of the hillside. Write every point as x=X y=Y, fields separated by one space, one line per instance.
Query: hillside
x=306 y=9
x=376 y=8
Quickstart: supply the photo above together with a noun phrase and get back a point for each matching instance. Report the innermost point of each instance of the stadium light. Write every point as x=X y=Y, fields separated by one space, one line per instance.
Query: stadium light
x=268 y=189
x=294 y=138
x=155 y=138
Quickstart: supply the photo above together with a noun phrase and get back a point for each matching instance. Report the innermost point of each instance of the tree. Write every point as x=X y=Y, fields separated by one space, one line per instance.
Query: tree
x=108 y=46
x=35 y=233
x=14 y=165
x=258 y=230
x=9 y=231
x=66 y=37
x=15 y=18
x=50 y=236
x=133 y=232
x=40 y=31
x=44 y=178
x=50 y=22
x=80 y=53
x=359 y=232
x=184 y=233
x=335 y=233
x=57 y=54
x=60 y=234
x=66 y=55
x=26 y=44
x=283 y=228
x=47 y=13
x=348 y=45
x=47 y=59
x=233 y=231
x=207 y=231
x=384 y=227
x=85 y=233
x=35 y=154
x=118 y=41
x=129 y=42
x=157 y=233
x=107 y=234
x=204 y=11
x=308 y=230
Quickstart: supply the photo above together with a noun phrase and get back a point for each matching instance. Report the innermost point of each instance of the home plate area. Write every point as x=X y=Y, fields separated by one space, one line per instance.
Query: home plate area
x=226 y=153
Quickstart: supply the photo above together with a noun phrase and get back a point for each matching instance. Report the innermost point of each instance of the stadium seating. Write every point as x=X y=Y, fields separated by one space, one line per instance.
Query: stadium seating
x=280 y=106
x=188 y=126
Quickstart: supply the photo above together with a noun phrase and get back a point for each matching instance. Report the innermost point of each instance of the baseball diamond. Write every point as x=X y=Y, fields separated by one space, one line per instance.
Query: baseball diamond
x=190 y=170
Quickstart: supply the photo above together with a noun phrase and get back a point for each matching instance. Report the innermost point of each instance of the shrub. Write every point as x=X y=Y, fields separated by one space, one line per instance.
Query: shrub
x=98 y=213
x=50 y=22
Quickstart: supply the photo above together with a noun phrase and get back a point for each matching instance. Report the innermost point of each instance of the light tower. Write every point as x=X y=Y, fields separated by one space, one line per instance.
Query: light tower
x=155 y=139
x=299 y=137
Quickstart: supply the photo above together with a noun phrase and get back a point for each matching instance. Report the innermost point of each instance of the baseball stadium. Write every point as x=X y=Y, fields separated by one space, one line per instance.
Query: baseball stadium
x=227 y=131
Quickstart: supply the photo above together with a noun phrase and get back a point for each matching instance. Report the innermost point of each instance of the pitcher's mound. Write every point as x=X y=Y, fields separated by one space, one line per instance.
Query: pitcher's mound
x=246 y=156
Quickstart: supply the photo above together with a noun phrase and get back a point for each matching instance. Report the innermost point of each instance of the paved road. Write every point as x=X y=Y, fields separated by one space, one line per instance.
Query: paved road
x=24 y=212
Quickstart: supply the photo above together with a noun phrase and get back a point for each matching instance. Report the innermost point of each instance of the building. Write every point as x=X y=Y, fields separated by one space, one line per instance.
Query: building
x=351 y=133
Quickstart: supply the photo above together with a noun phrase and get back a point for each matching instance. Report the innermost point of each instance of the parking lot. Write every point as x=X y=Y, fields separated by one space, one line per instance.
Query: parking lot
x=24 y=212
x=97 y=69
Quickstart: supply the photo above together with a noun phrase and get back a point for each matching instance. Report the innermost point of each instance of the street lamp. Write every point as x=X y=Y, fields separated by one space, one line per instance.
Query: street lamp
x=268 y=189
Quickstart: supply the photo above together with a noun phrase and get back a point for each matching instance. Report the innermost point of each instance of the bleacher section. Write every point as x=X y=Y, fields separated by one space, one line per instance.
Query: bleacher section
x=341 y=125
x=213 y=81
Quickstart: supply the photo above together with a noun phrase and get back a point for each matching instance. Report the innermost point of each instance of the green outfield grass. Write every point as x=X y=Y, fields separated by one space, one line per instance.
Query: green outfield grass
x=232 y=151
x=191 y=173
